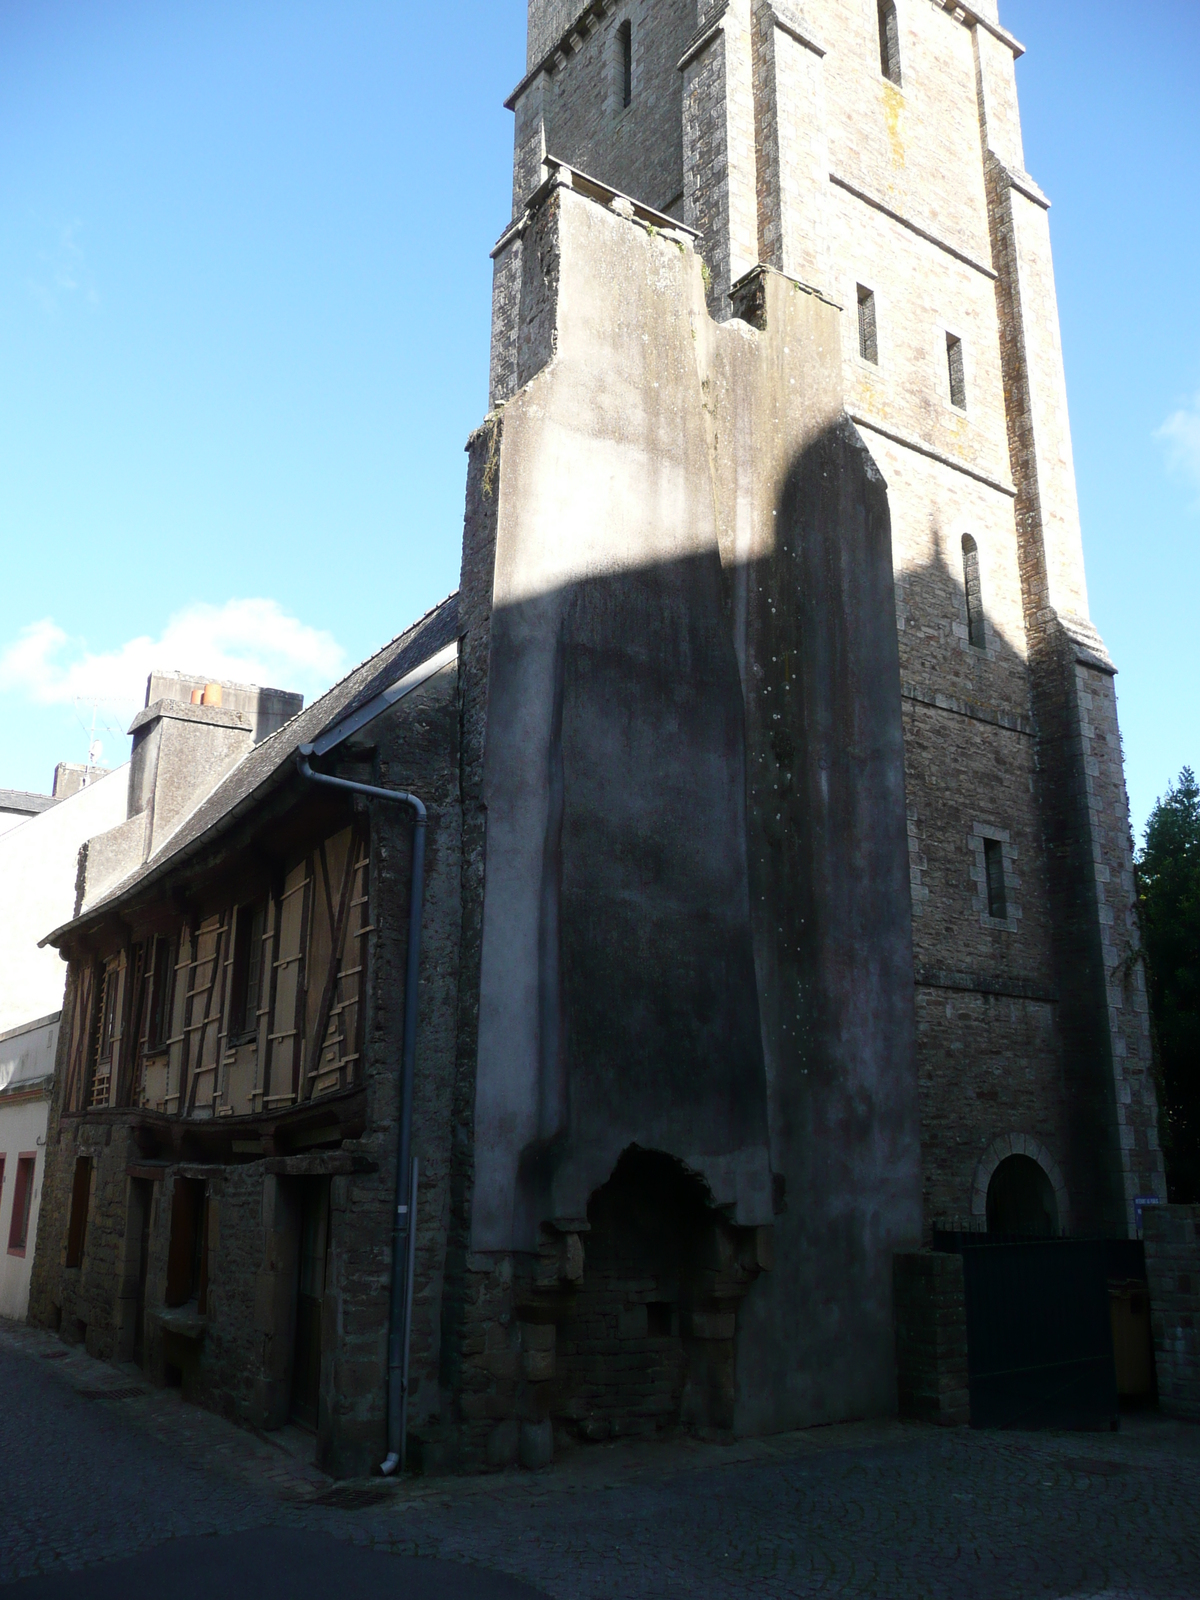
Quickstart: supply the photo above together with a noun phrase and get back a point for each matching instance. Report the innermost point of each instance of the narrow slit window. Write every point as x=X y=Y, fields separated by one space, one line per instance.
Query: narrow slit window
x=975 y=629
x=889 y=42
x=958 y=381
x=868 y=332
x=247 y=971
x=161 y=985
x=625 y=62
x=107 y=1026
x=993 y=867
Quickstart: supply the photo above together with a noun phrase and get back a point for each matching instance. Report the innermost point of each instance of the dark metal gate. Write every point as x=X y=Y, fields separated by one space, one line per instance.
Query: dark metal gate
x=1039 y=1335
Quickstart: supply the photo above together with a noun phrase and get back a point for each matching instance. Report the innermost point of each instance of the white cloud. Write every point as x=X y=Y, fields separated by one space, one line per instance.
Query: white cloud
x=63 y=271
x=1181 y=434
x=248 y=641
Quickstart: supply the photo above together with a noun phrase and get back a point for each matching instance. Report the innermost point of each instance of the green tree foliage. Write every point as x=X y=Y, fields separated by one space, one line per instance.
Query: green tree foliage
x=1168 y=874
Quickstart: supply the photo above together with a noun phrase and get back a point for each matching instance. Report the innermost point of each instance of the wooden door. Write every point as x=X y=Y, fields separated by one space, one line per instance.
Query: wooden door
x=310 y=1293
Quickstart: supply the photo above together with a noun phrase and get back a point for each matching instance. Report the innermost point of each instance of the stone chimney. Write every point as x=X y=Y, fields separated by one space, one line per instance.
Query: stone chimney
x=267 y=709
x=180 y=754
x=182 y=749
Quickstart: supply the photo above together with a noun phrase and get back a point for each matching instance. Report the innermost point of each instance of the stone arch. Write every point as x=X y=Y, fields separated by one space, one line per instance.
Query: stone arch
x=664 y=1270
x=1019 y=1144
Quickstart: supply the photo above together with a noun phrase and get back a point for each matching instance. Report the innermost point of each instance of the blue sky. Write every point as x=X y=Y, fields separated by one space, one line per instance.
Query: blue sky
x=244 y=307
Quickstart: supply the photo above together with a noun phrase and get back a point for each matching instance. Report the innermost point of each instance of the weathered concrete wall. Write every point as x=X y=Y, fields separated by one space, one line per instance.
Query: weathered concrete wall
x=725 y=587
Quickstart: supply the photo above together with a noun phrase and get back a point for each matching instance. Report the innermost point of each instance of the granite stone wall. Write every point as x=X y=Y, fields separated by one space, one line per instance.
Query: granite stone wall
x=1172 y=1235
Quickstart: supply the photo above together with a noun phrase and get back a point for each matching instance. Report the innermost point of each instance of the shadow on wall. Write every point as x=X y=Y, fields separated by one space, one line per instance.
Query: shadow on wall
x=722 y=954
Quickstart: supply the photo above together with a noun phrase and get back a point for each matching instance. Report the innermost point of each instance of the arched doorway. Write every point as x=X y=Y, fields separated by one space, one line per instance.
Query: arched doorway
x=648 y=1341
x=621 y=1357
x=1021 y=1200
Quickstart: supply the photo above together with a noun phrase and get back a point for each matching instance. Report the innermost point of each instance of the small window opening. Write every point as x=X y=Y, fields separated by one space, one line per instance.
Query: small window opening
x=993 y=867
x=187 y=1256
x=18 y=1231
x=81 y=1191
x=162 y=975
x=975 y=629
x=958 y=382
x=889 y=41
x=658 y=1319
x=625 y=58
x=247 y=971
x=868 y=336
x=106 y=1032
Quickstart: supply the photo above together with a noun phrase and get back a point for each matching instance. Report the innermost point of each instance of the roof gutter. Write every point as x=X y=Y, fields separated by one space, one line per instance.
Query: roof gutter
x=404 y=1219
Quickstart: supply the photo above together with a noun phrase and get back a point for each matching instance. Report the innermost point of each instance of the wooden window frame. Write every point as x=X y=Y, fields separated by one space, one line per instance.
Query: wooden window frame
x=245 y=986
x=22 y=1206
x=161 y=992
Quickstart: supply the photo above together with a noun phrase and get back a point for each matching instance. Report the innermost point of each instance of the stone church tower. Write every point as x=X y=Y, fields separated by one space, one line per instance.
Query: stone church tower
x=801 y=838
x=777 y=904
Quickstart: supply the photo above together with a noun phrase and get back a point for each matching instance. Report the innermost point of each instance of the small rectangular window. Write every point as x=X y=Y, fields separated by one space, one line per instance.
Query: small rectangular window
x=247 y=970
x=993 y=866
x=18 y=1230
x=162 y=977
x=958 y=381
x=107 y=1024
x=81 y=1192
x=625 y=61
x=889 y=42
x=868 y=335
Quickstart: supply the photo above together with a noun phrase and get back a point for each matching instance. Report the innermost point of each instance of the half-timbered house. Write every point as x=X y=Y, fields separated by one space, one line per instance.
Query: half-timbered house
x=223 y=1139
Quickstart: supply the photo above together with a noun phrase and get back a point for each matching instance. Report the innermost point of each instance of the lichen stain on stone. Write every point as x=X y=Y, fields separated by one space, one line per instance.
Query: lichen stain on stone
x=893 y=110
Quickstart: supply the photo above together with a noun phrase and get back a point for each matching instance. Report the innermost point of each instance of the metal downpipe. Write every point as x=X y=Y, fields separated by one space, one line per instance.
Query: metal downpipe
x=403 y=1220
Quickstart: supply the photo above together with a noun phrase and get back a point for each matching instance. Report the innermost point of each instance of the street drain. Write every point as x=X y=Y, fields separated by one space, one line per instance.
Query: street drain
x=110 y=1394
x=55 y=1355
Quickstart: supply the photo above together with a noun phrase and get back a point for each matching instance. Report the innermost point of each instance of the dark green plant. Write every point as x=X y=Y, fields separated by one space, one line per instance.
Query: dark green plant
x=1168 y=881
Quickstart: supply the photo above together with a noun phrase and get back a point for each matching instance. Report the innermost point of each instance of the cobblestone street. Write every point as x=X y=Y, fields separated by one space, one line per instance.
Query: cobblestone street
x=99 y=1467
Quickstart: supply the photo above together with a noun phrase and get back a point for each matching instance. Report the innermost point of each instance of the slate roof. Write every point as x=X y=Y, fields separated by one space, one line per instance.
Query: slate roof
x=270 y=764
x=24 y=802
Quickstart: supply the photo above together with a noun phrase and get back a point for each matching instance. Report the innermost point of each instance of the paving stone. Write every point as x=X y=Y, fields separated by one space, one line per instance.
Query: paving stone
x=883 y=1510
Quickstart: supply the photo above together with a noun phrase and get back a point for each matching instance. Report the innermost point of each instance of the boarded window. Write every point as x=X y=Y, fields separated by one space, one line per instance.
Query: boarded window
x=625 y=62
x=993 y=866
x=81 y=1191
x=868 y=336
x=975 y=629
x=18 y=1231
x=958 y=381
x=889 y=41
